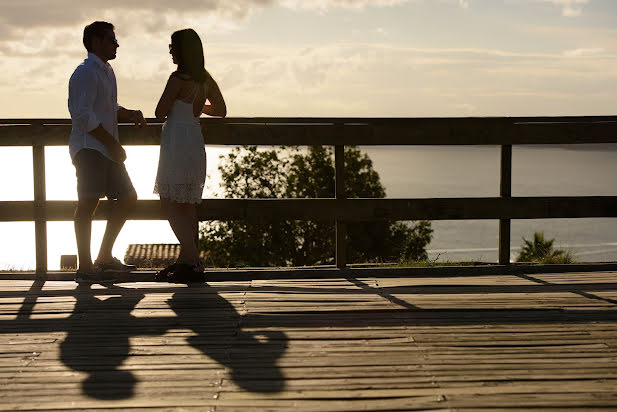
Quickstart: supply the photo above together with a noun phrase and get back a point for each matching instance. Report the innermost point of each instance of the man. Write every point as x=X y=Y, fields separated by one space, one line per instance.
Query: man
x=97 y=154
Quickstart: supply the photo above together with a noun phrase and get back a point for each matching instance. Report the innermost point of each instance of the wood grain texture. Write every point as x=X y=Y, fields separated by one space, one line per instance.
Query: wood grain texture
x=347 y=209
x=345 y=131
x=539 y=342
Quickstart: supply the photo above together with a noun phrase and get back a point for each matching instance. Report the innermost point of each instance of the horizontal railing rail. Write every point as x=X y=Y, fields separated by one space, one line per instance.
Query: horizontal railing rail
x=345 y=131
x=353 y=210
x=337 y=132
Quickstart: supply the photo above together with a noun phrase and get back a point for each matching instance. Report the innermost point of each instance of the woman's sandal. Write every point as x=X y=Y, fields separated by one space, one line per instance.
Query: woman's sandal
x=186 y=273
x=163 y=275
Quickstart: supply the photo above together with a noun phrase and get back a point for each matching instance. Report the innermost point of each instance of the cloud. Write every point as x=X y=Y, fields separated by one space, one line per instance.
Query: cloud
x=466 y=107
x=308 y=79
x=16 y=16
x=333 y=4
x=348 y=79
x=583 y=52
x=25 y=30
x=324 y=5
x=569 y=8
x=155 y=14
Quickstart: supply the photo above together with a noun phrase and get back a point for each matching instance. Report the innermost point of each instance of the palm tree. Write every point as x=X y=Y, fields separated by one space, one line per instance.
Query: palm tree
x=540 y=250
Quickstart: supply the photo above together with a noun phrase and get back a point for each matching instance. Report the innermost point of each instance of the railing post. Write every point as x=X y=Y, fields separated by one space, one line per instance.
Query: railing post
x=505 y=191
x=40 y=218
x=341 y=228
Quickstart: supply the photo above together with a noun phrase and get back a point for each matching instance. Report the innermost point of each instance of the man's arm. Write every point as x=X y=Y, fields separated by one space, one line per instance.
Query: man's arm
x=82 y=94
x=131 y=116
x=115 y=148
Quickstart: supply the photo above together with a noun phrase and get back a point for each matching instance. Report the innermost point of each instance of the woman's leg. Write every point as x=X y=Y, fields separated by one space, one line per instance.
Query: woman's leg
x=183 y=221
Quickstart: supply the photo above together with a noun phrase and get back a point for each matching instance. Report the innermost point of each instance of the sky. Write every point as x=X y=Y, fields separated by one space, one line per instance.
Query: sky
x=331 y=58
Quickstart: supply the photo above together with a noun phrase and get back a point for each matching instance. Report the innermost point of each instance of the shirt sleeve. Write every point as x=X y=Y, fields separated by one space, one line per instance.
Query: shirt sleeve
x=82 y=94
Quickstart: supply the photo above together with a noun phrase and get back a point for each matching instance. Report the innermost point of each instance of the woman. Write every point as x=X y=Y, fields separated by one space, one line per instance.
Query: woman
x=181 y=174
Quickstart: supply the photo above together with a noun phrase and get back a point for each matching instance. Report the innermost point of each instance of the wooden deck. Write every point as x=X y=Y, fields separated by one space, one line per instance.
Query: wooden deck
x=460 y=343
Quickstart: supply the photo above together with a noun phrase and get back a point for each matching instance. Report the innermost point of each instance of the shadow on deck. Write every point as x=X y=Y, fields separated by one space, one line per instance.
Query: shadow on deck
x=540 y=341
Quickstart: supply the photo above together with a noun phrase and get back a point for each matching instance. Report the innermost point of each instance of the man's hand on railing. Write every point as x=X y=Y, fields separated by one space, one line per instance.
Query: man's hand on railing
x=139 y=119
x=133 y=116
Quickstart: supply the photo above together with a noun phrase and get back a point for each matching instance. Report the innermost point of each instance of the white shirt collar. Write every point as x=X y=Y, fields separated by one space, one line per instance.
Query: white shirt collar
x=96 y=59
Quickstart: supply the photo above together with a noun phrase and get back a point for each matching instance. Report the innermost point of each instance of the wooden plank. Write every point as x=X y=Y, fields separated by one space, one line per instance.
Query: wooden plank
x=480 y=208
x=346 y=131
x=505 y=191
x=16 y=211
x=339 y=120
x=341 y=227
x=349 y=209
x=40 y=216
x=143 y=354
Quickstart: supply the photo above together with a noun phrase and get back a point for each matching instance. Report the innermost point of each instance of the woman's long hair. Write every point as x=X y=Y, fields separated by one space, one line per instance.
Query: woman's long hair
x=189 y=52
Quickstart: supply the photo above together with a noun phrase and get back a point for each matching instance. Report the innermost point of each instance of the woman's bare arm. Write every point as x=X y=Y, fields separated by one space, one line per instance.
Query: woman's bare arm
x=216 y=105
x=167 y=98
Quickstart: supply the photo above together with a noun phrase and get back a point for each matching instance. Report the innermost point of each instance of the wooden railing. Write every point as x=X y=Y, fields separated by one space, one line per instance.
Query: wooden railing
x=337 y=132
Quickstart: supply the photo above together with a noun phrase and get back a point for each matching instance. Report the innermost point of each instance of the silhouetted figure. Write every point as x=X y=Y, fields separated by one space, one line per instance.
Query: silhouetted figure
x=181 y=172
x=96 y=152
x=97 y=342
x=253 y=362
x=100 y=328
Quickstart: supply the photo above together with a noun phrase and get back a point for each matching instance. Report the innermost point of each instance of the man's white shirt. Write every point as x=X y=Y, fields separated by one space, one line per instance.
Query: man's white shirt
x=93 y=100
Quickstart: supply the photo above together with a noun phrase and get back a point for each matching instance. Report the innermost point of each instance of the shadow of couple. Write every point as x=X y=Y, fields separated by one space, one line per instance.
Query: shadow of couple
x=102 y=324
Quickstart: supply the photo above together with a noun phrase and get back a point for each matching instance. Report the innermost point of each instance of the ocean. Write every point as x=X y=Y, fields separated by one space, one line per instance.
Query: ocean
x=407 y=171
x=470 y=171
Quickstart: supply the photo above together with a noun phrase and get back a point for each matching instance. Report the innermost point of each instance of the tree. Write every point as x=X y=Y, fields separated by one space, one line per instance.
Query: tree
x=541 y=250
x=295 y=173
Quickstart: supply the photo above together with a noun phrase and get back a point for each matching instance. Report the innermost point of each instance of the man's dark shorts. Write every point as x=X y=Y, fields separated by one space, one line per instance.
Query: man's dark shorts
x=98 y=176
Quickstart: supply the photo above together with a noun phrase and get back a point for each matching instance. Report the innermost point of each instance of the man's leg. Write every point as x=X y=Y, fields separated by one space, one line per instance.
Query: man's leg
x=90 y=188
x=83 y=229
x=119 y=187
x=119 y=212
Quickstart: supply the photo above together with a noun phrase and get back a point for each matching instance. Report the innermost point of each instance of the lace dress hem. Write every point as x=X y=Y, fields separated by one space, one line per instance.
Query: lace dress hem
x=181 y=193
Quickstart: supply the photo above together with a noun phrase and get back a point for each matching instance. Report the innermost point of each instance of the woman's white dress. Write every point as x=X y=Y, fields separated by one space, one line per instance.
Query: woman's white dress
x=181 y=173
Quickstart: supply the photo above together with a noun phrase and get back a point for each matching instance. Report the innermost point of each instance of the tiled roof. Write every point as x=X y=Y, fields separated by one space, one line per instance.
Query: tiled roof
x=152 y=251
x=152 y=254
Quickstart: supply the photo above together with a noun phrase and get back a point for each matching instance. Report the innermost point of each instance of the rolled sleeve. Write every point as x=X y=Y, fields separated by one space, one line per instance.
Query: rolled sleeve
x=82 y=94
x=93 y=102
x=93 y=122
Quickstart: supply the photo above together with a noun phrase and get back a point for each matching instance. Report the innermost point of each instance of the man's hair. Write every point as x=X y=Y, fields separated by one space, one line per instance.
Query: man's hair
x=96 y=29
